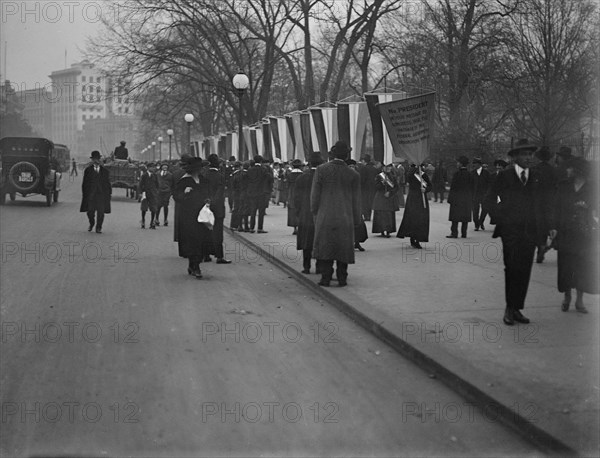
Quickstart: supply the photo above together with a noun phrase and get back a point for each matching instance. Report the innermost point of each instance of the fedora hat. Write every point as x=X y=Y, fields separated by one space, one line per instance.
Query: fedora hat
x=522 y=146
x=315 y=158
x=341 y=149
x=463 y=160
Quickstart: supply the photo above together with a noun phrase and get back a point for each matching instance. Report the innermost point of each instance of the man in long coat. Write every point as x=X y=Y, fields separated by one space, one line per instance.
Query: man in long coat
x=165 y=191
x=306 y=224
x=97 y=191
x=517 y=224
x=291 y=177
x=216 y=186
x=481 y=184
x=258 y=180
x=335 y=204
x=460 y=199
x=149 y=188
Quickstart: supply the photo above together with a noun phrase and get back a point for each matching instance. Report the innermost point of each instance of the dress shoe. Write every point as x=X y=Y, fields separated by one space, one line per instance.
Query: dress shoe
x=477 y=228
x=260 y=231
x=157 y=223
x=251 y=231
x=324 y=282
x=166 y=223
x=566 y=303
x=342 y=283
x=90 y=227
x=452 y=236
x=143 y=226
x=416 y=244
x=197 y=274
x=223 y=261
x=463 y=236
x=508 y=318
x=293 y=233
x=190 y=271
x=482 y=227
x=305 y=271
x=98 y=230
x=152 y=226
x=519 y=318
x=358 y=247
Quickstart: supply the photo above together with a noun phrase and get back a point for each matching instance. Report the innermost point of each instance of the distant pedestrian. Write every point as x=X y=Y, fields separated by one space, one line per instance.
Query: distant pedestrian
x=460 y=199
x=259 y=179
x=165 y=191
x=517 y=194
x=97 y=191
x=481 y=183
x=576 y=232
x=306 y=224
x=336 y=206
x=149 y=188
x=385 y=202
x=438 y=182
x=73 y=167
x=291 y=176
x=194 y=238
x=415 y=221
x=178 y=173
x=490 y=202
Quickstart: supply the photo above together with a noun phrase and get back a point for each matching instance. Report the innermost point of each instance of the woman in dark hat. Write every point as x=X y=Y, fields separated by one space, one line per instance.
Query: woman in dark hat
x=460 y=199
x=385 y=203
x=291 y=177
x=576 y=232
x=415 y=221
x=192 y=193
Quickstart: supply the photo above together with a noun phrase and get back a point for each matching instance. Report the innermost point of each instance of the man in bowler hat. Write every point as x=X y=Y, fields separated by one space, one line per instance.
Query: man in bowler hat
x=516 y=189
x=97 y=192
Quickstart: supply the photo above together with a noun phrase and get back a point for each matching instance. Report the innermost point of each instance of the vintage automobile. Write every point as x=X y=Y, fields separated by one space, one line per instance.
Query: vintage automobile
x=30 y=166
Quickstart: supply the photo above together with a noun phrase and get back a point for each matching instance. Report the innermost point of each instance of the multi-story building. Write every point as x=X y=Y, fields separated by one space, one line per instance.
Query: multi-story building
x=37 y=110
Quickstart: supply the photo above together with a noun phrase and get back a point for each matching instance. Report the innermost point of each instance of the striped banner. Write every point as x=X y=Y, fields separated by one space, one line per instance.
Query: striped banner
x=383 y=151
x=248 y=153
x=298 y=138
x=352 y=124
x=274 y=130
x=305 y=126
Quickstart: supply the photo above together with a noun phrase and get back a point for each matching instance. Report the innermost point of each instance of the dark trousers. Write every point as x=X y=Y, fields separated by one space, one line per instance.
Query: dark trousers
x=463 y=228
x=261 y=218
x=98 y=220
x=326 y=269
x=217 y=237
x=478 y=213
x=439 y=191
x=306 y=256
x=518 y=253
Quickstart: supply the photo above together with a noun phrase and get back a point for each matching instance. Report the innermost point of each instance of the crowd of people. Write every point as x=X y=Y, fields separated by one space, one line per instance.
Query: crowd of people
x=533 y=203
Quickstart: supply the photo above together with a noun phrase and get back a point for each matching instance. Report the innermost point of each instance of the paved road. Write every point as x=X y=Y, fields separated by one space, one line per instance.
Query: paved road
x=109 y=348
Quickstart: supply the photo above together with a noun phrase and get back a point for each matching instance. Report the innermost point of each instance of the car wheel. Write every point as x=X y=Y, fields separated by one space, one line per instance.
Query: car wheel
x=24 y=176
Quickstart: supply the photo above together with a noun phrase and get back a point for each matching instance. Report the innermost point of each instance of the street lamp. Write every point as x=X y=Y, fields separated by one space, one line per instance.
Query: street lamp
x=153 y=151
x=170 y=134
x=240 y=82
x=189 y=118
x=160 y=139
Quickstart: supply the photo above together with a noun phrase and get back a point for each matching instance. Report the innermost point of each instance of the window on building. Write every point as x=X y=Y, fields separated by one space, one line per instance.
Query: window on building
x=99 y=80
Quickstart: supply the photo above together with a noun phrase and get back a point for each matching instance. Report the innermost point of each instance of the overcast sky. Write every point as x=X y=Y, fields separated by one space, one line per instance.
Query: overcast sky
x=36 y=33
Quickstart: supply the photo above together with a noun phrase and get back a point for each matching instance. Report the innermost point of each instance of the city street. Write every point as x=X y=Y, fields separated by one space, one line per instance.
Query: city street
x=109 y=348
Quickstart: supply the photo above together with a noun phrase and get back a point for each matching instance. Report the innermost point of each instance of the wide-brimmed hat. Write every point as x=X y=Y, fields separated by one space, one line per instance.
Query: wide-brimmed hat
x=95 y=155
x=258 y=159
x=522 y=146
x=193 y=164
x=315 y=158
x=296 y=163
x=500 y=162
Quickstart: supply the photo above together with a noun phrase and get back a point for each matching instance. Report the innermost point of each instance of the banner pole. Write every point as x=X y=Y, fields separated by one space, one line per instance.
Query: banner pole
x=422 y=192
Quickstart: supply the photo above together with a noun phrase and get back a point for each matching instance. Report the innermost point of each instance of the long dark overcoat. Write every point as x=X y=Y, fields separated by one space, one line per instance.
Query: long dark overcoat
x=306 y=223
x=380 y=201
x=367 y=172
x=194 y=238
x=178 y=173
x=165 y=188
x=460 y=196
x=292 y=176
x=150 y=185
x=335 y=202
x=96 y=190
x=258 y=181
x=547 y=183
x=415 y=221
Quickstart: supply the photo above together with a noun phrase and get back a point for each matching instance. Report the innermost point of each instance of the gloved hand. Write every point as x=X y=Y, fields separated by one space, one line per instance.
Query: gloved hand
x=143 y=195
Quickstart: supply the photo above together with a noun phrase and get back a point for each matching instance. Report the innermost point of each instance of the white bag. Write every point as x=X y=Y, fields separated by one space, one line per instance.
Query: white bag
x=206 y=216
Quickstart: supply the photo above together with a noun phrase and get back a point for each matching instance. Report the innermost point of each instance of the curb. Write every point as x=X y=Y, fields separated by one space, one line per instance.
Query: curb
x=508 y=417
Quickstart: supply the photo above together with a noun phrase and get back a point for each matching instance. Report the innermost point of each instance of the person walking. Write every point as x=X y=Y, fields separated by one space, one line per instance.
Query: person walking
x=96 y=193
x=438 y=182
x=291 y=176
x=415 y=221
x=460 y=199
x=306 y=225
x=165 y=190
x=259 y=179
x=194 y=238
x=335 y=204
x=178 y=173
x=368 y=172
x=401 y=175
x=149 y=189
x=575 y=228
x=517 y=225
x=385 y=202
x=216 y=186
x=481 y=184
x=73 y=167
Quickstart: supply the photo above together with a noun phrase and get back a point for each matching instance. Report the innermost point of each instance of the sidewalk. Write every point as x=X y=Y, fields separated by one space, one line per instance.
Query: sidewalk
x=442 y=307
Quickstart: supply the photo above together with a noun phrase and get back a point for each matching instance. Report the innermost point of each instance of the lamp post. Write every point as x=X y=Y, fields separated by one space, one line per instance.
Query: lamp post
x=240 y=82
x=189 y=118
x=153 y=151
x=160 y=139
x=170 y=134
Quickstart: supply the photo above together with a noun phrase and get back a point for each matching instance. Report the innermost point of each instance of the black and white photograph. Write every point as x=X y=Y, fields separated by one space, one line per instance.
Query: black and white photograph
x=299 y=228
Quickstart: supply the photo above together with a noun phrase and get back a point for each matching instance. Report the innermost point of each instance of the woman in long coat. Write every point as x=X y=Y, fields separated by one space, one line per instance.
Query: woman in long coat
x=306 y=224
x=385 y=202
x=291 y=176
x=460 y=199
x=577 y=234
x=194 y=238
x=415 y=222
